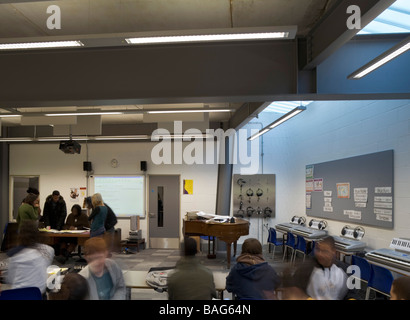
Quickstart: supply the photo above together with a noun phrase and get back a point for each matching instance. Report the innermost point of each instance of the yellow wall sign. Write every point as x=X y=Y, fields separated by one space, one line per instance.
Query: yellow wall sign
x=188 y=186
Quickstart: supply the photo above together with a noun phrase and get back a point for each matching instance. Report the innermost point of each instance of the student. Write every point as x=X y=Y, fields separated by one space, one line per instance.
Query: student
x=76 y=220
x=98 y=216
x=27 y=210
x=73 y=287
x=320 y=278
x=400 y=289
x=104 y=276
x=111 y=219
x=29 y=261
x=252 y=277
x=55 y=211
x=190 y=280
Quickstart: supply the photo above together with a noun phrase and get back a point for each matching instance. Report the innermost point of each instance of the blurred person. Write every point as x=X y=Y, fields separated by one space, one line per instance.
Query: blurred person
x=104 y=276
x=28 y=261
x=55 y=211
x=73 y=287
x=76 y=220
x=400 y=289
x=190 y=280
x=98 y=216
x=252 y=277
x=111 y=219
x=321 y=278
x=27 y=210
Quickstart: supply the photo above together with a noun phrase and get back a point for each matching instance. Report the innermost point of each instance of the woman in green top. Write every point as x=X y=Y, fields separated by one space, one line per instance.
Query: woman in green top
x=27 y=210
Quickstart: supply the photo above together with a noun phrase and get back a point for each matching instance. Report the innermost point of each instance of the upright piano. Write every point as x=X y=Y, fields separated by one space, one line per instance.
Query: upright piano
x=224 y=231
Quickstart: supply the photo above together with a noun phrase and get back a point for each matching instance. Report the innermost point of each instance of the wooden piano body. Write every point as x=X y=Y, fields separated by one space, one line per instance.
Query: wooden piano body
x=227 y=232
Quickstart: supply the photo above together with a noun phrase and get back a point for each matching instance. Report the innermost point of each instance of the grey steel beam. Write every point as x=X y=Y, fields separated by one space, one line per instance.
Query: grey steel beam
x=331 y=32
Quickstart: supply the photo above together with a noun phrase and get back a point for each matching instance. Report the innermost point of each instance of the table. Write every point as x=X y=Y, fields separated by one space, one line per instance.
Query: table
x=137 y=280
x=52 y=238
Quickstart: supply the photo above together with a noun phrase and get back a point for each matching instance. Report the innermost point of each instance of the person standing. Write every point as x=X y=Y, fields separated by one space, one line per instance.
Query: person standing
x=27 y=210
x=55 y=211
x=98 y=216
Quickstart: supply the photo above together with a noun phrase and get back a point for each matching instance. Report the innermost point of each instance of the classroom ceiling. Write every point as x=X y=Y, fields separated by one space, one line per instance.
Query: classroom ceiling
x=25 y=20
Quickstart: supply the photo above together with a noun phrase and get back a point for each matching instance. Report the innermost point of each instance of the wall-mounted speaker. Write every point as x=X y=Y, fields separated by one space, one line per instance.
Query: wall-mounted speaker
x=87 y=166
x=143 y=165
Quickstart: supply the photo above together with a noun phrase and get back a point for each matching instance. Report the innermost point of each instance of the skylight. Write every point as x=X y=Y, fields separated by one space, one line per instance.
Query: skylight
x=285 y=106
x=395 y=19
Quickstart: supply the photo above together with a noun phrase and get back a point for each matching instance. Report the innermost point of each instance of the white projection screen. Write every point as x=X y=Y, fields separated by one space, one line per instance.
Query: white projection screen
x=124 y=194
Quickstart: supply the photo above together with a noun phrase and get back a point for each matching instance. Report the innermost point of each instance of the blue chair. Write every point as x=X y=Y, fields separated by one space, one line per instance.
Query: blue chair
x=300 y=247
x=290 y=244
x=272 y=240
x=364 y=266
x=380 y=280
x=30 y=293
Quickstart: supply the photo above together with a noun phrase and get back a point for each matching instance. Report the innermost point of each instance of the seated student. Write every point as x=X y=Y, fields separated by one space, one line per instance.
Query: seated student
x=73 y=287
x=400 y=289
x=104 y=276
x=252 y=277
x=320 y=278
x=29 y=261
x=76 y=220
x=190 y=280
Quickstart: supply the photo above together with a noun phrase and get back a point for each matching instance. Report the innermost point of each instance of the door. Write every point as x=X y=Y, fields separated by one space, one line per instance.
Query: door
x=164 y=211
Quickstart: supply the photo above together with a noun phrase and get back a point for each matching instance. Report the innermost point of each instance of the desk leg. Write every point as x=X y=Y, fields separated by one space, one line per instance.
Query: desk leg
x=234 y=248
x=228 y=254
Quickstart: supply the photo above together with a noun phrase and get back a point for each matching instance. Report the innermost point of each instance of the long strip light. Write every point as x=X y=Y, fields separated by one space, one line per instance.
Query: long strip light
x=387 y=56
x=40 y=45
x=277 y=122
x=208 y=37
x=189 y=111
x=82 y=113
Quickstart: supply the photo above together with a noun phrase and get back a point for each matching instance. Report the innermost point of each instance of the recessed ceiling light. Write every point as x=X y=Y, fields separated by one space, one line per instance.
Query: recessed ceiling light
x=40 y=45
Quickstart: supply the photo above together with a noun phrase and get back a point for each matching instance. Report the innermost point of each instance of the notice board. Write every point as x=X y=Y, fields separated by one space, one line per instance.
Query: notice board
x=357 y=190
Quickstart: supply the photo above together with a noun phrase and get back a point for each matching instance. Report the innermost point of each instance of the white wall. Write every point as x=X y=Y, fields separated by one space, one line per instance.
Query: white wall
x=329 y=131
x=63 y=171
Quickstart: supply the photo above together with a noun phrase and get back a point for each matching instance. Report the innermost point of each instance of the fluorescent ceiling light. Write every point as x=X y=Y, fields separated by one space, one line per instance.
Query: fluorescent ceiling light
x=277 y=122
x=23 y=139
x=190 y=111
x=134 y=137
x=184 y=136
x=82 y=113
x=209 y=37
x=10 y=115
x=387 y=56
x=40 y=45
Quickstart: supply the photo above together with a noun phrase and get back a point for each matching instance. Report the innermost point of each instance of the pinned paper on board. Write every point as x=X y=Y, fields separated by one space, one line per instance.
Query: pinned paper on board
x=188 y=186
x=343 y=190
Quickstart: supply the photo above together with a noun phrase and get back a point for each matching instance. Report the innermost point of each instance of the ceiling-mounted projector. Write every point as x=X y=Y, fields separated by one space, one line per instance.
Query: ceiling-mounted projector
x=70 y=147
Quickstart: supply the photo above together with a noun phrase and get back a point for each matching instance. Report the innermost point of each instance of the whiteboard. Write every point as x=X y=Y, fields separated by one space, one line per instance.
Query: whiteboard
x=124 y=194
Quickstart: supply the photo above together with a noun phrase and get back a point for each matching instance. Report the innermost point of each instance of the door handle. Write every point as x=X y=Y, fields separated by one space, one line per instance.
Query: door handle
x=152 y=215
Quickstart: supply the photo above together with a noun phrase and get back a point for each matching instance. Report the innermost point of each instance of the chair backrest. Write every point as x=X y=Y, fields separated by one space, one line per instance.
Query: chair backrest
x=365 y=267
x=272 y=235
x=30 y=293
x=301 y=245
x=380 y=279
x=290 y=240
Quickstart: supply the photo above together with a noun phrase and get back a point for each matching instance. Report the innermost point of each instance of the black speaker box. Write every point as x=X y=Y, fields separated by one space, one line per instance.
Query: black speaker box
x=143 y=165
x=87 y=166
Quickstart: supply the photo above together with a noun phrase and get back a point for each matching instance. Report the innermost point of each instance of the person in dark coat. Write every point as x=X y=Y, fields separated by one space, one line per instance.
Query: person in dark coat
x=55 y=211
x=252 y=277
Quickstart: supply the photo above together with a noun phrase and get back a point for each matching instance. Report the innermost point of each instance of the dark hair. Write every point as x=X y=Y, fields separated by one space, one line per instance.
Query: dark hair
x=78 y=207
x=401 y=287
x=73 y=287
x=190 y=247
x=28 y=233
x=252 y=246
x=33 y=190
x=329 y=240
x=30 y=198
x=56 y=193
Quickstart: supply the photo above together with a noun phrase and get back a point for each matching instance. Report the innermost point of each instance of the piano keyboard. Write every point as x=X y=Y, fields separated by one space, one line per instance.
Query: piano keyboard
x=349 y=244
x=284 y=227
x=390 y=257
x=400 y=244
x=309 y=233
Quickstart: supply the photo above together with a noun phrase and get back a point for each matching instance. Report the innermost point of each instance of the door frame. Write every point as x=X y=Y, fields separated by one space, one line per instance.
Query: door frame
x=11 y=191
x=174 y=244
